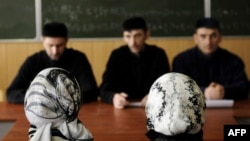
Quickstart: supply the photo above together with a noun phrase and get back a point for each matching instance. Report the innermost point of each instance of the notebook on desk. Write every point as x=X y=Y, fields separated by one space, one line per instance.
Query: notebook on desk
x=223 y=103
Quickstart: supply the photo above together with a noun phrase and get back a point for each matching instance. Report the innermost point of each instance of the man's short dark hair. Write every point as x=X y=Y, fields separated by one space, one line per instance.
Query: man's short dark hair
x=134 y=23
x=55 y=29
x=208 y=23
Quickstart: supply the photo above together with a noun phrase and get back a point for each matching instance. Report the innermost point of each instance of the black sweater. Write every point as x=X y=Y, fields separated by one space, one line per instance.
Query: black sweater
x=222 y=67
x=132 y=74
x=74 y=61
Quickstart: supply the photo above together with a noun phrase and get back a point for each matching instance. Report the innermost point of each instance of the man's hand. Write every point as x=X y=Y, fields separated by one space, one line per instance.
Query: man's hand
x=214 y=91
x=119 y=100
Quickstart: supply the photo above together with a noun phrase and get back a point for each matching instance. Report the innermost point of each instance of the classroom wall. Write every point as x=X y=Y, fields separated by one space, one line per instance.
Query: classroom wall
x=12 y=54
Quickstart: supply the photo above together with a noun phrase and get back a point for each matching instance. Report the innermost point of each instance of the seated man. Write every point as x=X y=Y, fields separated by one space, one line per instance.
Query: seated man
x=55 y=54
x=219 y=73
x=175 y=109
x=132 y=68
x=52 y=103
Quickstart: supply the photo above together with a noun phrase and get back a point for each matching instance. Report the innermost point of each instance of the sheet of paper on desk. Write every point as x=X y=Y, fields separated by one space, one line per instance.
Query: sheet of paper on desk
x=219 y=103
x=209 y=103
x=134 y=104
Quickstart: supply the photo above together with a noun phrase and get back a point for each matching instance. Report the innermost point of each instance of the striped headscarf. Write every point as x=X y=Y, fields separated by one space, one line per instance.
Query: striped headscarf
x=175 y=107
x=51 y=106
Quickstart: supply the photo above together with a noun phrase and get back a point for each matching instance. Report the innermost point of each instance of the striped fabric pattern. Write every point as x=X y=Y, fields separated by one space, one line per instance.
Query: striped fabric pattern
x=52 y=103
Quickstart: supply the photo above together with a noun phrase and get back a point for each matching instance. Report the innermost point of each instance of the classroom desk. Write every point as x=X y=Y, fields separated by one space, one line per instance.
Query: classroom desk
x=109 y=124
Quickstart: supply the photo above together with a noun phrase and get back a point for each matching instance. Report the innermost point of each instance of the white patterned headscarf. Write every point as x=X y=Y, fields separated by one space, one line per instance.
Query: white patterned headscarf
x=52 y=103
x=175 y=105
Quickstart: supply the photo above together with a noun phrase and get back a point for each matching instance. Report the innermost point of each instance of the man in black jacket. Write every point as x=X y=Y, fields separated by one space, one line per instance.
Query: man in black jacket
x=132 y=68
x=218 y=72
x=55 y=54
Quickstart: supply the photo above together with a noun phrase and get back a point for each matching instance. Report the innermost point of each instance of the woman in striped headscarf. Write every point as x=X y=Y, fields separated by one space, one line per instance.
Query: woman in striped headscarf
x=51 y=106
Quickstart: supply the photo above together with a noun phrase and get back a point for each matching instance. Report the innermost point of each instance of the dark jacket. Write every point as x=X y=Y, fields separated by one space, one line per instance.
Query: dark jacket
x=156 y=136
x=74 y=61
x=222 y=67
x=134 y=75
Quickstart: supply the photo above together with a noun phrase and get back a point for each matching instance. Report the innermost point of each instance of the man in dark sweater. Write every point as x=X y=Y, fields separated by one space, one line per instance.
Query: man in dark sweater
x=55 y=54
x=132 y=68
x=218 y=72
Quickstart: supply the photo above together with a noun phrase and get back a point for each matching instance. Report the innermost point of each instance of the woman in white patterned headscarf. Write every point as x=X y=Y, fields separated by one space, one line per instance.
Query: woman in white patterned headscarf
x=175 y=109
x=52 y=104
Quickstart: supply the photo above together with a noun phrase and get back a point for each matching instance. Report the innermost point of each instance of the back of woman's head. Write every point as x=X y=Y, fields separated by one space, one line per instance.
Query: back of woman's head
x=175 y=109
x=52 y=103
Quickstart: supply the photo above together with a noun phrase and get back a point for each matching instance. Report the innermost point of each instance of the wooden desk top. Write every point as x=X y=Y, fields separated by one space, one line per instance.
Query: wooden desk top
x=109 y=124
